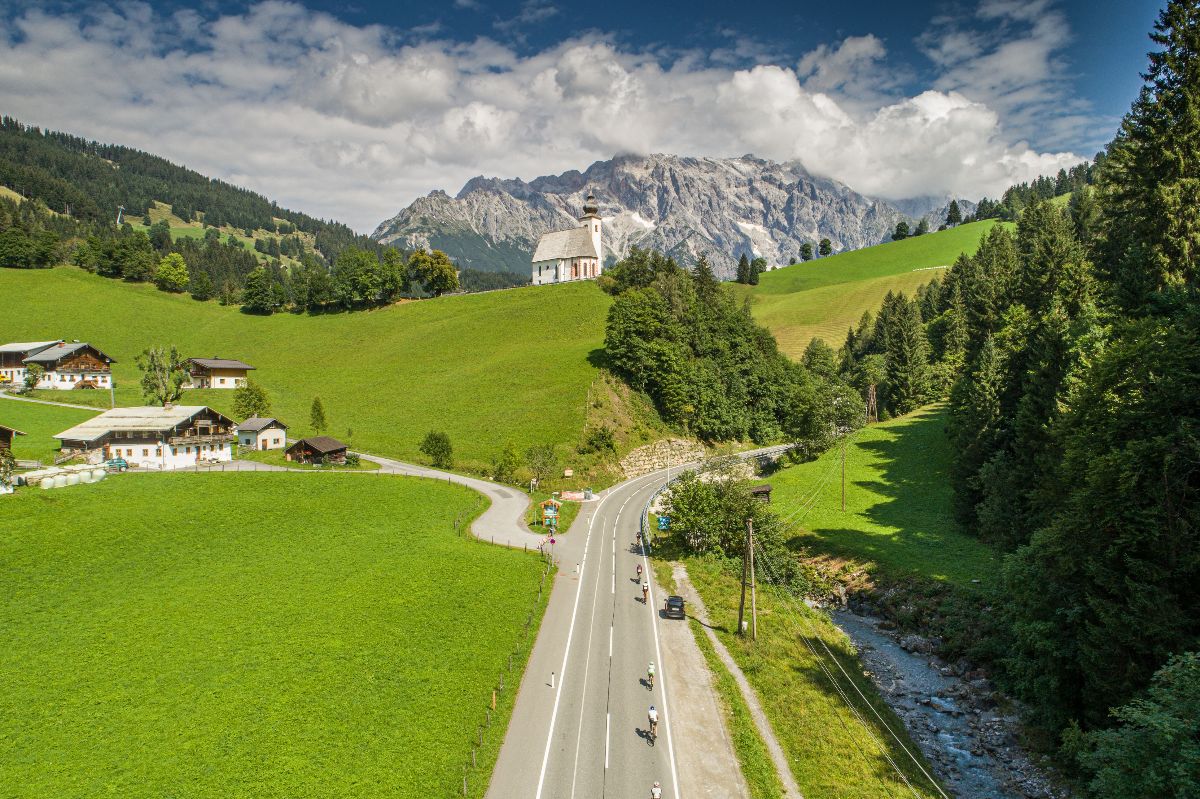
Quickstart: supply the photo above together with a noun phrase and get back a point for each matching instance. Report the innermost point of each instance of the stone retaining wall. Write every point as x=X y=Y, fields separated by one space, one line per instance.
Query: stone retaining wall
x=657 y=455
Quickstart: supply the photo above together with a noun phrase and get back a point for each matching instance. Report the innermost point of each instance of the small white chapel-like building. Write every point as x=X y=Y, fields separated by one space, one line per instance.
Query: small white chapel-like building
x=574 y=254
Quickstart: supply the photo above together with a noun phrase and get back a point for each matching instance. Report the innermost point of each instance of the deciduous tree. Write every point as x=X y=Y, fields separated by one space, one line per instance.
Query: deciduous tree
x=164 y=374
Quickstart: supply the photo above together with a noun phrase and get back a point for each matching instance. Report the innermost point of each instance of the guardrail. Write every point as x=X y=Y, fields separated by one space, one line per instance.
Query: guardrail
x=770 y=452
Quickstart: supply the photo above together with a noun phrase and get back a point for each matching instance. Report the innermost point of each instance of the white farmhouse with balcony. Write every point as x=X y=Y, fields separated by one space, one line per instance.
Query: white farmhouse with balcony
x=170 y=437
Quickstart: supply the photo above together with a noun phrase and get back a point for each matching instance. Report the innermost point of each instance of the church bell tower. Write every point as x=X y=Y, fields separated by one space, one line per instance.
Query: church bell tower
x=591 y=219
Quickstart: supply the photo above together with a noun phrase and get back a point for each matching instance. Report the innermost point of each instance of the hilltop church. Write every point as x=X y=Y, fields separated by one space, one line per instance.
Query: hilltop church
x=574 y=254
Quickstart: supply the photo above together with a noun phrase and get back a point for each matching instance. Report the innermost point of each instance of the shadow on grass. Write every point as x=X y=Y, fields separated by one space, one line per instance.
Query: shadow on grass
x=911 y=508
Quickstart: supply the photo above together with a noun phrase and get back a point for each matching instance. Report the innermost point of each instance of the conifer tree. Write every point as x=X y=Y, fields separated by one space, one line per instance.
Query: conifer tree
x=743 y=269
x=806 y=251
x=316 y=416
x=953 y=214
x=907 y=352
x=1149 y=191
x=901 y=231
x=825 y=248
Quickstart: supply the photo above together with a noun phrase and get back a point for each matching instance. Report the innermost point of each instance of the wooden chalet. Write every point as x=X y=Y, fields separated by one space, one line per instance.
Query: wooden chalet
x=12 y=358
x=217 y=372
x=318 y=449
x=6 y=437
x=72 y=364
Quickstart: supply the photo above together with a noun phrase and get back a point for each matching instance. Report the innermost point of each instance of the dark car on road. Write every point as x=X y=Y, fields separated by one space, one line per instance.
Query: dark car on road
x=674 y=608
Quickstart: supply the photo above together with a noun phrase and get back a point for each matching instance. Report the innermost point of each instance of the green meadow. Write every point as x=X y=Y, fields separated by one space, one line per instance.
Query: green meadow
x=823 y=298
x=485 y=368
x=39 y=423
x=898 y=518
x=826 y=745
x=254 y=634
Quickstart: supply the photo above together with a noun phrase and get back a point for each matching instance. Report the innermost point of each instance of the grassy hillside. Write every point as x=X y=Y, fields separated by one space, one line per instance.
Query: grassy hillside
x=290 y=641
x=487 y=369
x=898 y=518
x=825 y=297
x=39 y=423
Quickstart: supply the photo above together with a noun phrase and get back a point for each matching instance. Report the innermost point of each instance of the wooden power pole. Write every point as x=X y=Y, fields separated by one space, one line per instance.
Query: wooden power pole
x=748 y=578
x=753 y=587
x=843 y=474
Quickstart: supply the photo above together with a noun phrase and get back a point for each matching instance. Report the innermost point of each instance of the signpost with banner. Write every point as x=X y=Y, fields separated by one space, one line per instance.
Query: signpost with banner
x=550 y=510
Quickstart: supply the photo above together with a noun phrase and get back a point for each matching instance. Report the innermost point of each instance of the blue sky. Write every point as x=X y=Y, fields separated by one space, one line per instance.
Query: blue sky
x=353 y=109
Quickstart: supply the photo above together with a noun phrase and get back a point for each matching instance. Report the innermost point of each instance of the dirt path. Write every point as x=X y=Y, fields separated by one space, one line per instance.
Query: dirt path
x=791 y=789
x=708 y=765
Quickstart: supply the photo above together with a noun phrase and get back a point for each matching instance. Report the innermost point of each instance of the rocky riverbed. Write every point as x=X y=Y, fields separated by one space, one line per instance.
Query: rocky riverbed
x=952 y=711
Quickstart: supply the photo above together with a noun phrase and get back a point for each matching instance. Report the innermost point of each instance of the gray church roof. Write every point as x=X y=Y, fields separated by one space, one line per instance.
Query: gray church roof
x=573 y=243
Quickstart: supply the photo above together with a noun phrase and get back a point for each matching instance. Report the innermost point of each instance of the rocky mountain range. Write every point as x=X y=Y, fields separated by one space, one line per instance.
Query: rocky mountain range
x=687 y=207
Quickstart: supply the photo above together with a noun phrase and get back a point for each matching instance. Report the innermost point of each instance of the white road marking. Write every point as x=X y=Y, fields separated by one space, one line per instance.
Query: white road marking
x=566 y=654
x=610 y=633
x=607 y=727
x=662 y=679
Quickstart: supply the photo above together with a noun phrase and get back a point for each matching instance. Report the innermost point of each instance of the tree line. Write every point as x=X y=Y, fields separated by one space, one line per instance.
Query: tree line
x=88 y=180
x=708 y=366
x=1070 y=348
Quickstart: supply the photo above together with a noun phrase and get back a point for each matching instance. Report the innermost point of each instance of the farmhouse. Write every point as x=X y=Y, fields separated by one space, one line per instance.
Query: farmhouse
x=217 y=372
x=12 y=358
x=318 y=449
x=169 y=437
x=574 y=254
x=72 y=364
x=262 y=433
x=6 y=437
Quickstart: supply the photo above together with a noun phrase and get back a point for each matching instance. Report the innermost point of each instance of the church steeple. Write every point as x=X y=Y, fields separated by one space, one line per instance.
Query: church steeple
x=592 y=221
x=590 y=208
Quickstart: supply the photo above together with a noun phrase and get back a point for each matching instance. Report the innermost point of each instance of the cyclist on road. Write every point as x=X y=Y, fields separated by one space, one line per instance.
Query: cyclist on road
x=656 y=791
x=650 y=674
x=639 y=572
x=653 y=716
x=646 y=592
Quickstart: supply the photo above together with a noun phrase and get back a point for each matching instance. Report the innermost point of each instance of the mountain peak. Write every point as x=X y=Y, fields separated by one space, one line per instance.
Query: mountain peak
x=684 y=205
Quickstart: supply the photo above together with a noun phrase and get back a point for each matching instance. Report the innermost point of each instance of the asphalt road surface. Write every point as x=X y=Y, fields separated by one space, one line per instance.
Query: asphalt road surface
x=599 y=743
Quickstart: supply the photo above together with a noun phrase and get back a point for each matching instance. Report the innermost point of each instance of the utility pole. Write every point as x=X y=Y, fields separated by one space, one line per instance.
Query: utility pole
x=748 y=577
x=753 y=586
x=843 y=474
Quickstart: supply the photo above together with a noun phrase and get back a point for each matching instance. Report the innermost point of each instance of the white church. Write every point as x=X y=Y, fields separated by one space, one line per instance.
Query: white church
x=574 y=254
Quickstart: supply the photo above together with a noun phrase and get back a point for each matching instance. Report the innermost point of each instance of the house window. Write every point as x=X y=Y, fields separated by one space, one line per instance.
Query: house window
x=145 y=452
x=158 y=452
x=187 y=450
x=174 y=450
x=221 y=381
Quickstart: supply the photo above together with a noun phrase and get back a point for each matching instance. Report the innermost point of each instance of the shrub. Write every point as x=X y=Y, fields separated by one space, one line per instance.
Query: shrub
x=437 y=448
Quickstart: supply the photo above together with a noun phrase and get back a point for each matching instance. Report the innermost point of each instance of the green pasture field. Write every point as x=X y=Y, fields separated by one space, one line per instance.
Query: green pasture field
x=254 y=634
x=825 y=297
x=485 y=368
x=39 y=423
x=825 y=744
x=898 y=519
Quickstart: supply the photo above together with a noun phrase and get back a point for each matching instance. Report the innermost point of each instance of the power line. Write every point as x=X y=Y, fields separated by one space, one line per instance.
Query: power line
x=772 y=575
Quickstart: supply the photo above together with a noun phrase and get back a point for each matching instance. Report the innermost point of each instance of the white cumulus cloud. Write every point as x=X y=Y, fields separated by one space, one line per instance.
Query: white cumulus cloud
x=353 y=122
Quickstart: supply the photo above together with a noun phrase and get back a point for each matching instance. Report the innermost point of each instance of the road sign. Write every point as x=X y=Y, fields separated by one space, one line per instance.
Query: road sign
x=664 y=522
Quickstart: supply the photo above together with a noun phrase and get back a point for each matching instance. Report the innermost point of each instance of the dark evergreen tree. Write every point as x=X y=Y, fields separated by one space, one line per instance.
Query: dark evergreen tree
x=743 y=270
x=806 y=251
x=953 y=214
x=825 y=248
x=901 y=231
x=1150 y=250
